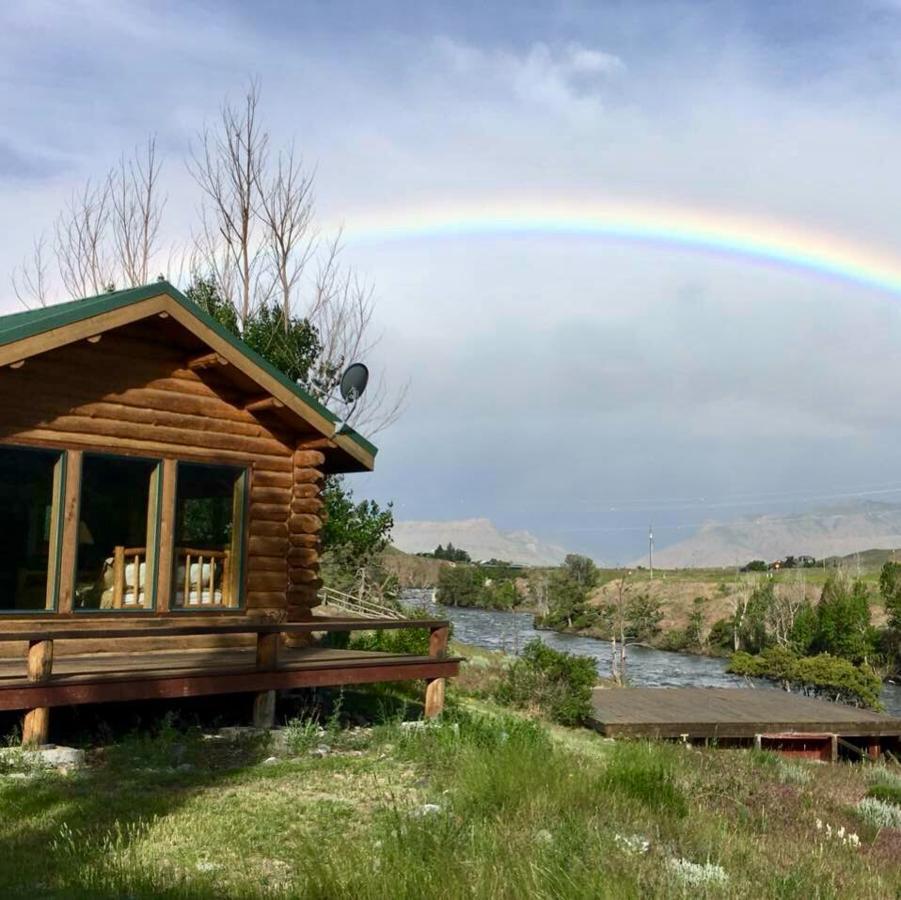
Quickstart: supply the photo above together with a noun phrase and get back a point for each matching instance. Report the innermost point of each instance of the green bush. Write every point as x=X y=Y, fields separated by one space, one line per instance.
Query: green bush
x=556 y=684
x=674 y=640
x=821 y=676
x=720 y=635
x=887 y=793
x=401 y=640
x=464 y=585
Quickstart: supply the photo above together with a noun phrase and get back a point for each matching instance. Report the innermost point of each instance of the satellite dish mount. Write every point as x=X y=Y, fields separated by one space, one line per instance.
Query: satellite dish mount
x=353 y=384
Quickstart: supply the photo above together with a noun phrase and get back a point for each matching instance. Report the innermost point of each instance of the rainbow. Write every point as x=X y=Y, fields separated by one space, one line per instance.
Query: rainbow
x=759 y=241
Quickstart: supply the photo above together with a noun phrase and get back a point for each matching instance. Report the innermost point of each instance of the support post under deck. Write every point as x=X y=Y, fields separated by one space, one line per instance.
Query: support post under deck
x=434 y=687
x=36 y=725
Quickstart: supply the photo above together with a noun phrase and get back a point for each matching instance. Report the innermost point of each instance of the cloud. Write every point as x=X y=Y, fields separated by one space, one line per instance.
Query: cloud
x=552 y=378
x=565 y=79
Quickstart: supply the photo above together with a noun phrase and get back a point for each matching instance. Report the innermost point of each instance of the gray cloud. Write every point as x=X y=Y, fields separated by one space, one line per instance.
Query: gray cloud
x=553 y=379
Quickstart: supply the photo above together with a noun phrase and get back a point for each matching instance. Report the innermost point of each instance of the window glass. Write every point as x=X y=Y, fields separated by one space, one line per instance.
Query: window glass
x=116 y=533
x=29 y=530
x=208 y=536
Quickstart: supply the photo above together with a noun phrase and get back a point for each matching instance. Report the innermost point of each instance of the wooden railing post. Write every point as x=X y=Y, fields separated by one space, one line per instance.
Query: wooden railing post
x=40 y=667
x=434 y=687
x=267 y=661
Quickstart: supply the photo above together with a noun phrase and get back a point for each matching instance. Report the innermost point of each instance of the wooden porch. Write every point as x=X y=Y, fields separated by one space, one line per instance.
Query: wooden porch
x=35 y=682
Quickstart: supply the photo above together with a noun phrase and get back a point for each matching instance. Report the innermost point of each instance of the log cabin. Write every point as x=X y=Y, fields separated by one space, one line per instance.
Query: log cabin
x=160 y=511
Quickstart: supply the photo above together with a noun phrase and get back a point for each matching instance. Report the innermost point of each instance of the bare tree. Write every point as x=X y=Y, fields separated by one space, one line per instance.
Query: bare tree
x=82 y=245
x=106 y=236
x=136 y=212
x=287 y=208
x=228 y=166
x=741 y=600
x=257 y=241
x=618 y=652
x=30 y=282
x=788 y=601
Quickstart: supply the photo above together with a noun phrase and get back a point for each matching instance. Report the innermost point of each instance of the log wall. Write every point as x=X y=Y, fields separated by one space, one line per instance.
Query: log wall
x=133 y=393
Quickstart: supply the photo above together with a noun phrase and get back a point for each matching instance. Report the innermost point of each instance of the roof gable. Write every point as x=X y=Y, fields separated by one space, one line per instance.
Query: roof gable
x=21 y=336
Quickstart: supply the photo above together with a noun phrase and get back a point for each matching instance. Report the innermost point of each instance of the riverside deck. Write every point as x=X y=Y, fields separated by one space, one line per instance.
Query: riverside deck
x=742 y=715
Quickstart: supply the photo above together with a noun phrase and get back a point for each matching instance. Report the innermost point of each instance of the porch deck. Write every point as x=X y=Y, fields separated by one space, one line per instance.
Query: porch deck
x=36 y=682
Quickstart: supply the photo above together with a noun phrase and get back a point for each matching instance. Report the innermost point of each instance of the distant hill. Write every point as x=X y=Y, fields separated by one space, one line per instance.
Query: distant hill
x=835 y=531
x=479 y=538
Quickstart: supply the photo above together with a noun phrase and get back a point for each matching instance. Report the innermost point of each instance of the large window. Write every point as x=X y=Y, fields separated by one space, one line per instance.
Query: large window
x=209 y=519
x=117 y=533
x=30 y=482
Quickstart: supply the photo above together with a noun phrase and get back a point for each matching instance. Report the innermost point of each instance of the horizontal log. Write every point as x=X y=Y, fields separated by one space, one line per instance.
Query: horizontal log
x=268 y=546
x=312 y=506
x=303 y=576
x=167 y=390
x=115 y=428
x=162 y=414
x=268 y=478
x=55 y=437
x=265 y=598
x=307 y=491
x=304 y=540
x=268 y=564
x=267 y=581
x=309 y=459
x=265 y=494
x=308 y=476
x=262 y=528
x=303 y=594
x=261 y=404
x=269 y=512
x=302 y=557
x=304 y=524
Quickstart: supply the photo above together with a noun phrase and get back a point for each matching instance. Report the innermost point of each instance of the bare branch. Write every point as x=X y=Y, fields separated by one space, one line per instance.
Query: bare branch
x=287 y=212
x=136 y=213
x=30 y=282
x=228 y=166
x=81 y=252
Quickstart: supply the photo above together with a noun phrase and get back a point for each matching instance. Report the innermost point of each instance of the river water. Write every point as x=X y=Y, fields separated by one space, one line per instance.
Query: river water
x=510 y=631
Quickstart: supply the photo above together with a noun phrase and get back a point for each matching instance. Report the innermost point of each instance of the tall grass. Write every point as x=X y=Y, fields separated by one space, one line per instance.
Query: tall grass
x=484 y=804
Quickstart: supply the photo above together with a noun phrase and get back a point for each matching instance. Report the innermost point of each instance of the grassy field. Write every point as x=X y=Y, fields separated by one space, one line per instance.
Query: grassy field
x=483 y=805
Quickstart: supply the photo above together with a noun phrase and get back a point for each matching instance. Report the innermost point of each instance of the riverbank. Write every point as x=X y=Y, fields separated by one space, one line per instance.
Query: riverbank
x=509 y=632
x=485 y=804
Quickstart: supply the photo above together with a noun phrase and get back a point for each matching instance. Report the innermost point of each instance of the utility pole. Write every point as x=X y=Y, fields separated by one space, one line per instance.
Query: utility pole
x=651 y=550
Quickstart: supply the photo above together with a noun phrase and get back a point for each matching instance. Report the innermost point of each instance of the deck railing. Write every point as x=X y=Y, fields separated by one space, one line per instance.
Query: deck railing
x=358 y=604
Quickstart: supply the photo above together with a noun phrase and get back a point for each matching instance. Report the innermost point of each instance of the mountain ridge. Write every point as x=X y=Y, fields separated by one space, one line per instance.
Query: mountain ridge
x=480 y=538
x=837 y=530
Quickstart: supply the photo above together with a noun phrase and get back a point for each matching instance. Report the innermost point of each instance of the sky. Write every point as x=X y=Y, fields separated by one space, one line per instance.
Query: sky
x=580 y=387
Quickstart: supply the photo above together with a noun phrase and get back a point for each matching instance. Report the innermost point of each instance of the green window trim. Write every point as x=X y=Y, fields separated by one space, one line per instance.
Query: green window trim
x=239 y=543
x=54 y=557
x=152 y=548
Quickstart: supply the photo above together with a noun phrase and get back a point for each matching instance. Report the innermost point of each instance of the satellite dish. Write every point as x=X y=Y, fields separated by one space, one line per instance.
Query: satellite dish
x=353 y=382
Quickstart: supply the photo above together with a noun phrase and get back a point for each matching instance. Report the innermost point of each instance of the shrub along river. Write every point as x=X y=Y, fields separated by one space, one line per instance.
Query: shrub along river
x=645 y=667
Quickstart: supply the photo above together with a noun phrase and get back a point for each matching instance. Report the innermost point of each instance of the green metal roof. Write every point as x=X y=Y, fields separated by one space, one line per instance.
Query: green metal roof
x=21 y=325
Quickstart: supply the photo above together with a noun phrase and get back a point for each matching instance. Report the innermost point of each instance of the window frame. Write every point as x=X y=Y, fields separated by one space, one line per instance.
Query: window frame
x=55 y=549
x=241 y=514
x=154 y=521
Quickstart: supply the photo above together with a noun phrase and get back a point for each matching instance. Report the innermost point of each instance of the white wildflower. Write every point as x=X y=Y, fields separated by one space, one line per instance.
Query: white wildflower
x=697 y=874
x=635 y=844
x=879 y=813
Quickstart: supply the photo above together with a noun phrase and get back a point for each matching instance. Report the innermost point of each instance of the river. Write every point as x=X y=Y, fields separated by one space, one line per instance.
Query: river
x=645 y=667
